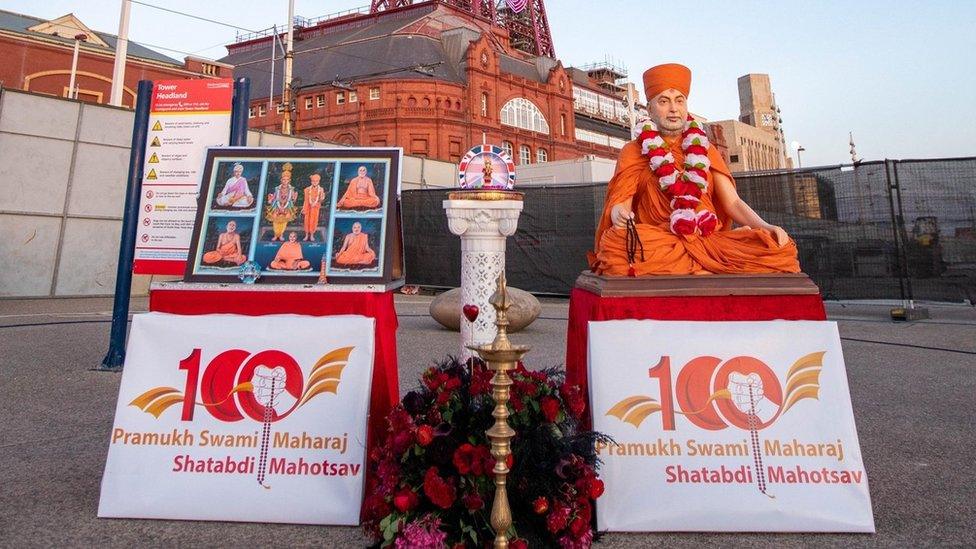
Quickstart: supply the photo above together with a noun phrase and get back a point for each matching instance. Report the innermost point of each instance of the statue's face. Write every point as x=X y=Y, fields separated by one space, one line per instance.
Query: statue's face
x=357 y=228
x=668 y=110
x=314 y=178
x=286 y=177
x=292 y=237
x=362 y=171
x=238 y=170
x=231 y=226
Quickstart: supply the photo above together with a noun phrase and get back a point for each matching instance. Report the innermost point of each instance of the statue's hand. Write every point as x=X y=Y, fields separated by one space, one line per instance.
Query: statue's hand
x=779 y=234
x=619 y=215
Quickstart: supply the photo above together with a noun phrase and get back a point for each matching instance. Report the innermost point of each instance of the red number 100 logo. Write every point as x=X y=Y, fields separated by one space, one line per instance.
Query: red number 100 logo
x=740 y=392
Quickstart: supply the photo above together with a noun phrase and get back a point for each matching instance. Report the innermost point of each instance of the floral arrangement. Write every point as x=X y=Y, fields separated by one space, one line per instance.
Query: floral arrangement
x=685 y=185
x=432 y=485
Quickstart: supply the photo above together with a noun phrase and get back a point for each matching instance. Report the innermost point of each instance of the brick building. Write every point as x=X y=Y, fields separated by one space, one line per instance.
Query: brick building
x=37 y=56
x=755 y=141
x=436 y=77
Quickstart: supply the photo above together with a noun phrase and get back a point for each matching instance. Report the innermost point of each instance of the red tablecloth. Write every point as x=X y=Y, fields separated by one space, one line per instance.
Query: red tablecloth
x=379 y=306
x=585 y=306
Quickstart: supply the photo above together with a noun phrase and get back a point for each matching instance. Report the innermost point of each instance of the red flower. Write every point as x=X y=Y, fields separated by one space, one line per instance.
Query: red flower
x=473 y=502
x=540 y=505
x=645 y=135
x=401 y=441
x=558 y=518
x=405 y=500
x=443 y=397
x=696 y=149
x=596 y=488
x=660 y=151
x=452 y=384
x=701 y=173
x=519 y=543
x=573 y=397
x=680 y=188
x=464 y=458
x=425 y=434
x=684 y=226
x=680 y=203
x=578 y=526
x=550 y=408
x=439 y=491
x=707 y=222
x=665 y=169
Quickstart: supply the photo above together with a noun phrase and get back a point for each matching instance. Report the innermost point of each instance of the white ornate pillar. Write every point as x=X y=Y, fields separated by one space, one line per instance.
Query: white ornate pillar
x=483 y=220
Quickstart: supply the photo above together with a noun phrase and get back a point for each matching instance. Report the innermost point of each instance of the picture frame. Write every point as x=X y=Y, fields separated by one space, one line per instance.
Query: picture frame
x=299 y=214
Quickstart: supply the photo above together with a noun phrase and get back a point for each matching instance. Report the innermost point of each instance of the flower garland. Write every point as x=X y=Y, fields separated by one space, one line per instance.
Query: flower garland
x=685 y=185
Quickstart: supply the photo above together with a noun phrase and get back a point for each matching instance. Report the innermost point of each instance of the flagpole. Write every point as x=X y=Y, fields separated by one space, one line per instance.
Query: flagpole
x=121 y=48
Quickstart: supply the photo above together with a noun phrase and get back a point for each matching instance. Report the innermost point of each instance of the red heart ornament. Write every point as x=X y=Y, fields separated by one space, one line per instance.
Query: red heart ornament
x=470 y=312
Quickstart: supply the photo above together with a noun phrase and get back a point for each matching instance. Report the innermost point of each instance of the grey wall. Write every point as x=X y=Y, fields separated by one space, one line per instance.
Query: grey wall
x=62 y=180
x=62 y=190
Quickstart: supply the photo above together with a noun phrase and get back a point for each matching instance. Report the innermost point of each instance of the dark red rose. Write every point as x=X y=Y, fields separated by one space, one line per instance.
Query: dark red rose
x=440 y=492
x=413 y=403
x=573 y=397
x=550 y=408
x=405 y=500
x=425 y=435
x=452 y=384
x=473 y=502
x=558 y=518
x=578 y=527
x=519 y=543
x=464 y=458
x=443 y=397
x=401 y=441
x=482 y=462
x=540 y=505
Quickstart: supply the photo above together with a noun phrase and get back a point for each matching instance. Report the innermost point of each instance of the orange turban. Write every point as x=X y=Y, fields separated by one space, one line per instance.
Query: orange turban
x=663 y=77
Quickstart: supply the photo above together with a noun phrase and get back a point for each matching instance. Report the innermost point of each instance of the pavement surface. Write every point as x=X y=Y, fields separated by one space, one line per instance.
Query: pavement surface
x=912 y=385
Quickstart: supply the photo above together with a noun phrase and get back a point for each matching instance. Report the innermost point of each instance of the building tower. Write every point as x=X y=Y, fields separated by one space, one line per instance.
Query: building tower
x=525 y=20
x=757 y=107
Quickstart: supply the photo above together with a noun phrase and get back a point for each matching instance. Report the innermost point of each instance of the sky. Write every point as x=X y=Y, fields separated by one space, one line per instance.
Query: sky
x=899 y=74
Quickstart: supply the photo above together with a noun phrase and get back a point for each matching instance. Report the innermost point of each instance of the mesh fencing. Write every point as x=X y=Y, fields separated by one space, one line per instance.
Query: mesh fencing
x=877 y=230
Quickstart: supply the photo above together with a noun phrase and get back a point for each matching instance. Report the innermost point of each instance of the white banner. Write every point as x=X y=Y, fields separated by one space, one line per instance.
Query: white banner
x=241 y=418
x=726 y=426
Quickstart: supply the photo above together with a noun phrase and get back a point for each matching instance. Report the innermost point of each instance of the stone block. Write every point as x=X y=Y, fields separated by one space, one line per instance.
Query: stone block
x=89 y=255
x=28 y=248
x=98 y=181
x=106 y=126
x=446 y=309
x=38 y=115
x=33 y=173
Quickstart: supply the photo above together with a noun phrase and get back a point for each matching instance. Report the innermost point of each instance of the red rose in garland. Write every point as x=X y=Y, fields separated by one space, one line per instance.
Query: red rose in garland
x=432 y=475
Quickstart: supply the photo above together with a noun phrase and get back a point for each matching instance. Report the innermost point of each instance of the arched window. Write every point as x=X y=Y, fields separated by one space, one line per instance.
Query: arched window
x=522 y=113
x=509 y=149
x=525 y=155
x=484 y=105
x=541 y=155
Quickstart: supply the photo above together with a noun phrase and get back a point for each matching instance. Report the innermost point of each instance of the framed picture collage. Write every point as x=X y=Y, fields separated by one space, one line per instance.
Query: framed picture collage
x=299 y=214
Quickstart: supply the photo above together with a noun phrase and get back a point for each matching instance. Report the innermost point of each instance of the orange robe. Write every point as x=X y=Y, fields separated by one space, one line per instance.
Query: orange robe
x=310 y=212
x=358 y=252
x=726 y=251
x=229 y=252
x=289 y=257
x=359 y=194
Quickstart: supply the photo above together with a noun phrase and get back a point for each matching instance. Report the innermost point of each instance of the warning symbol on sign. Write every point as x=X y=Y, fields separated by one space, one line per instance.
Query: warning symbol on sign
x=152 y=175
x=155 y=142
x=154 y=159
x=157 y=127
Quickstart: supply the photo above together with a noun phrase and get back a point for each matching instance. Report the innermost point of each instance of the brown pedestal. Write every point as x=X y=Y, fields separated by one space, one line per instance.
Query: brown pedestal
x=698 y=285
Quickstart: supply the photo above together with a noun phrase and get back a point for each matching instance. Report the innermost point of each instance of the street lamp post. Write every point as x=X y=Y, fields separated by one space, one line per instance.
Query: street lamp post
x=799 y=160
x=79 y=38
